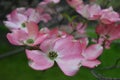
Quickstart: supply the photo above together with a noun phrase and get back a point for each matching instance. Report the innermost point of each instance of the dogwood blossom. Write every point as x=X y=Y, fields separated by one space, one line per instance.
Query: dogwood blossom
x=64 y=51
x=91 y=12
x=90 y=54
x=21 y=37
x=94 y=12
x=18 y=17
x=109 y=16
x=68 y=47
x=108 y=33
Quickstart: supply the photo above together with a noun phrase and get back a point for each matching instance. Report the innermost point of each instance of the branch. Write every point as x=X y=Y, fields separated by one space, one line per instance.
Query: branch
x=11 y=52
x=101 y=77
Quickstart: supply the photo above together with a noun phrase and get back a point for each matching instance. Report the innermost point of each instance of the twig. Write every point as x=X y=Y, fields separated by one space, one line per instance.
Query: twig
x=101 y=77
x=11 y=53
x=113 y=66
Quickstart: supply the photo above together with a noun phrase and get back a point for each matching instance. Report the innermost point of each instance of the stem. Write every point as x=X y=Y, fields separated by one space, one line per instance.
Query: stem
x=11 y=53
x=101 y=77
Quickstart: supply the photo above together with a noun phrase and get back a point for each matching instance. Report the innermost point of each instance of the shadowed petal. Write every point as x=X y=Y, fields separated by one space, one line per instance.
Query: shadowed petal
x=47 y=45
x=39 y=60
x=69 y=67
x=93 y=52
x=11 y=25
x=68 y=48
x=32 y=29
x=90 y=64
x=17 y=37
x=40 y=39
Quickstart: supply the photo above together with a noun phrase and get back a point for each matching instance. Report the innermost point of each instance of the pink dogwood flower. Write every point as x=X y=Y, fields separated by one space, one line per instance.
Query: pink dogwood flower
x=64 y=51
x=90 y=12
x=109 y=16
x=21 y=37
x=16 y=21
x=38 y=15
x=90 y=54
x=108 y=33
x=18 y=17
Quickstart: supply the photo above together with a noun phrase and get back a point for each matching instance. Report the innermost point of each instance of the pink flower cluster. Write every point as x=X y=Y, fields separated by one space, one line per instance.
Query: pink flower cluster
x=45 y=47
x=94 y=12
x=108 y=33
x=18 y=17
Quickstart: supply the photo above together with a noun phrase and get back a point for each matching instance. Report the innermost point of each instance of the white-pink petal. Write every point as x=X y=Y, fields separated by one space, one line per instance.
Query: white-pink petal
x=17 y=37
x=90 y=63
x=47 y=45
x=39 y=60
x=33 y=29
x=69 y=66
x=93 y=52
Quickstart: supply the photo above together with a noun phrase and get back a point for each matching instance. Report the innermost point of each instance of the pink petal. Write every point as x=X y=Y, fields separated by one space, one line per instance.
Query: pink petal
x=39 y=60
x=93 y=52
x=40 y=39
x=109 y=16
x=81 y=28
x=55 y=1
x=11 y=25
x=91 y=12
x=94 y=11
x=91 y=63
x=83 y=11
x=32 y=29
x=16 y=17
x=17 y=37
x=12 y=16
x=22 y=18
x=75 y=3
x=34 y=17
x=47 y=45
x=115 y=32
x=100 y=29
x=29 y=11
x=56 y=33
x=84 y=42
x=69 y=66
x=45 y=17
x=21 y=10
x=68 y=48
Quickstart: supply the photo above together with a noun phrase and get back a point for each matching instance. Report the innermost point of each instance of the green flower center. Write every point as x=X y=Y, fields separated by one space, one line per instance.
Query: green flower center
x=52 y=55
x=23 y=25
x=30 y=41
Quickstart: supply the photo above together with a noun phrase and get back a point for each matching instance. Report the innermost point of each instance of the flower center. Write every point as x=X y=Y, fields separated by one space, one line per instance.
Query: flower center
x=107 y=36
x=30 y=41
x=23 y=25
x=52 y=55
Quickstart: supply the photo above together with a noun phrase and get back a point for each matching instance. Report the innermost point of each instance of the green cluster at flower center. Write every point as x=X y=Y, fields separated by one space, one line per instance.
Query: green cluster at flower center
x=30 y=41
x=52 y=55
x=23 y=25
